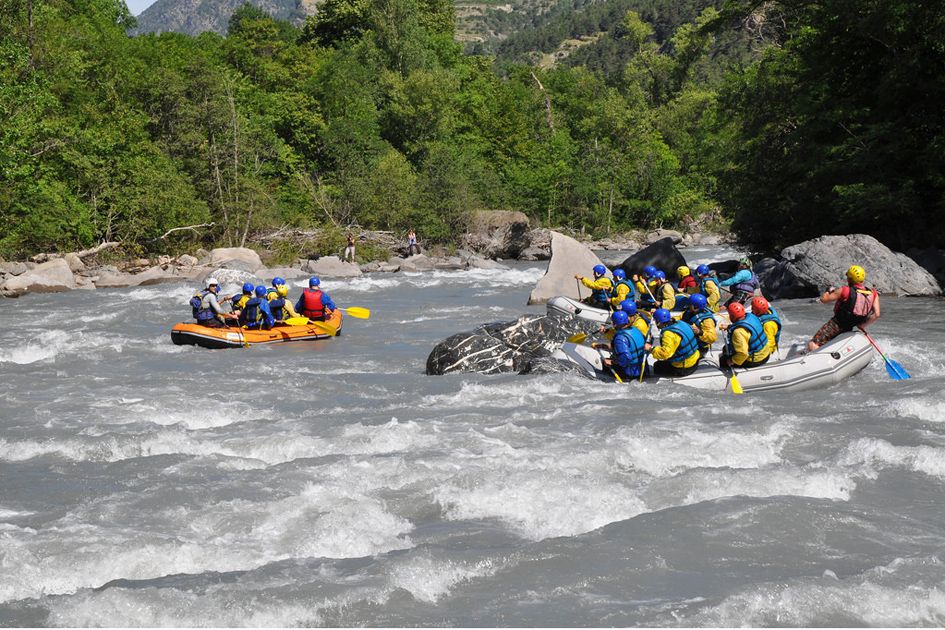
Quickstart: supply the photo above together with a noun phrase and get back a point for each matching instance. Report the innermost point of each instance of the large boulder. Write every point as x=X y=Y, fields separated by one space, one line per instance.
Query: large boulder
x=186 y=260
x=498 y=233
x=568 y=257
x=662 y=254
x=13 y=268
x=154 y=275
x=107 y=279
x=417 y=262
x=540 y=245
x=932 y=260
x=236 y=258
x=50 y=277
x=660 y=234
x=332 y=267
x=75 y=263
x=504 y=346
x=809 y=268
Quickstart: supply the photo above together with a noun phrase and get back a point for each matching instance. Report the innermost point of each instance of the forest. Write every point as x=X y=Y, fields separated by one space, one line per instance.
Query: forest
x=785 y=120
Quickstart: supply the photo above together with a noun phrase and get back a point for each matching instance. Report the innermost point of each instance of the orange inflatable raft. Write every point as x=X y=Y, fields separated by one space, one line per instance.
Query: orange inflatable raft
x=196 y=335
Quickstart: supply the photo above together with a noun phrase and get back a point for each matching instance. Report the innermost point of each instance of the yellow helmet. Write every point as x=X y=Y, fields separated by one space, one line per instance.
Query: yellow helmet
x=856 y=274
x=282 y=290
x=683 y=271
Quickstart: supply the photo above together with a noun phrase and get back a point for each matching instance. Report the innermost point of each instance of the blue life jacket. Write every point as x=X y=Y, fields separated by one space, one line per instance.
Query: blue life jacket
x=201 y=313
x=631 y=295
x=688 y=344
x=696 y=319
x=704 y=281
x=251 y=315
x=603 y=295
x=757 y=341
x=635 y=353
x=748 y=286
x=277 y=308
x=772 y=316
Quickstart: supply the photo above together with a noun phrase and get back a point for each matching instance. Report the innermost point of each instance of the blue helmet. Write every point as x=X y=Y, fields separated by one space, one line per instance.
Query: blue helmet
x=277 y=281
x=660 y=274
x=702 y=270
x=662 y=316
x=698 y=300
x=314 y=281
x=261 y=291
x=619 y=318
x=248 y=287
x=620 y=274
x=649 y=270
x=629 y=307
x=600 y=270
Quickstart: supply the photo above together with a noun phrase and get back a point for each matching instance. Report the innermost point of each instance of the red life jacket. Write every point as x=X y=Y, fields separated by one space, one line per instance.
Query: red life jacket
x=857 y=307
x=312 y=305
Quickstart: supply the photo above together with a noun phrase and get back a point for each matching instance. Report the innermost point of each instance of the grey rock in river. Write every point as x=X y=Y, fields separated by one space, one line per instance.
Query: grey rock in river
x=662 y=254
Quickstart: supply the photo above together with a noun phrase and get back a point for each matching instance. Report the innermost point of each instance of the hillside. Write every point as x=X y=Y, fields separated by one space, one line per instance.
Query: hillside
x=197 y=16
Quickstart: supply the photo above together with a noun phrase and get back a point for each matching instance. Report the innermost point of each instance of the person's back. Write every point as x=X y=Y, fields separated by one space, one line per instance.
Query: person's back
x=747 y=344
x=770 y=322
x=256 y=313
x=314 y=302
x=857 y=306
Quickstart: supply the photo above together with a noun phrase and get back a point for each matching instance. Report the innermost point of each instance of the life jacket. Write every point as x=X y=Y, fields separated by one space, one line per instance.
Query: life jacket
x=689 y=285
x=312 y=305
x=703 y=285
x=603 y=295
x=239 y=300
x=627 y=283
x=688 y=344
x=696 y=319
x=748 y=286
x=202 y=311
x=277 y=307
x=772 y=316
x=858 y=306
x=635 y=353
x=757 y=340
x=251 y=315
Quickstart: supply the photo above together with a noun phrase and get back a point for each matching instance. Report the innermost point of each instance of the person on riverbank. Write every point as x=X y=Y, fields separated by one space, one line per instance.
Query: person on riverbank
x=770 y=321
x=698 y=315
x=601 y=288
x=628 y=356
x=747 y=344
x=687 y=282
x=678 y=353
x=413 y=245
x=256 y=314
x=623 y=289
x=315 y=303
x=709 y=287
x=743 y=284
x=206 y=306
x=856 y=306
x=349 y=247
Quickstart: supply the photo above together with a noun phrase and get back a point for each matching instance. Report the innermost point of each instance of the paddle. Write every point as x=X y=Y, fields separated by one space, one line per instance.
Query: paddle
x=896 y=372
x=296 y=321
x=239 y=329
x=358 y=312
x=736 y=386
x=578 y=338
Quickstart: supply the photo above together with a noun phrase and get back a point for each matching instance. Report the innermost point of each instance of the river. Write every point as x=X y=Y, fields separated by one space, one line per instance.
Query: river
x=333 y=483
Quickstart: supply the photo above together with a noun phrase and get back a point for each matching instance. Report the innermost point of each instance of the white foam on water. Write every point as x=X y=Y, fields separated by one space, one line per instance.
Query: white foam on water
x=53 y=343
x=898 y=595
x=881 y=454
x=482 y=278
x=429 y=579
x=668 y=451
x=6 y=514
x=323 y=520
x=925 y=408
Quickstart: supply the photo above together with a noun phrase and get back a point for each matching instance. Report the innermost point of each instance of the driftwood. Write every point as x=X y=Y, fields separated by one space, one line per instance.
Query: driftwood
x=551 y=124
x=41 y=258
x=192 y=228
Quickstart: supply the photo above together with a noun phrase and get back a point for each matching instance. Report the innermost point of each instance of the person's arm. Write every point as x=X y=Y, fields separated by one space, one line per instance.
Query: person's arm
x=267 y=314
x=622 y=292
x=288 y=307
x=771 y=331
x=328 y=303
x=740 y=340
x=621 y=355
x=832 y=295
x=742 y=275
x=708 y=333
x=714 y=295
x=667 y=297
x=215 y=306
x=298 y=305
x=669 y=342
x=600 y=283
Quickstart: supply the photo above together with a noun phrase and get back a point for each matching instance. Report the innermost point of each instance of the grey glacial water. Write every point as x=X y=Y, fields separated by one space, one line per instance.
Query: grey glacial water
x=333 y=483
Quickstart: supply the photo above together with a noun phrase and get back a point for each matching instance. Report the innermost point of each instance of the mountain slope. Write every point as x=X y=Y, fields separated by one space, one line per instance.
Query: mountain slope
x=197 y=16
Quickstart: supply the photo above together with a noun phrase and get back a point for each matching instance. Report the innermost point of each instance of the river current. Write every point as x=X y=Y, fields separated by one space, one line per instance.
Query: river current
x=333 y=483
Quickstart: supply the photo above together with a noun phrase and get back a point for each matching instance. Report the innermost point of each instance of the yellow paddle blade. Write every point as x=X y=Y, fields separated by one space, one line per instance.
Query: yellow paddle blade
x=736 y=386
x=325 y=327
x=358 y=312
x=297 y=321
x=578 y=338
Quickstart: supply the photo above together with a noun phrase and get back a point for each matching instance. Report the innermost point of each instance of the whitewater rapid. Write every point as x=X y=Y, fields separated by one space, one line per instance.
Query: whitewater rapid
x=333 y=483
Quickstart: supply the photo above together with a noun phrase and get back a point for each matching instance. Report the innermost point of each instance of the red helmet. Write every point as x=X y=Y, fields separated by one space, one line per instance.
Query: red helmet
x=759 y=305
x=736 y=311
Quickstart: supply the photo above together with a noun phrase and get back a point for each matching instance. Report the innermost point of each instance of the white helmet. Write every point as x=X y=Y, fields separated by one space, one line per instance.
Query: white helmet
x=212 y=281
